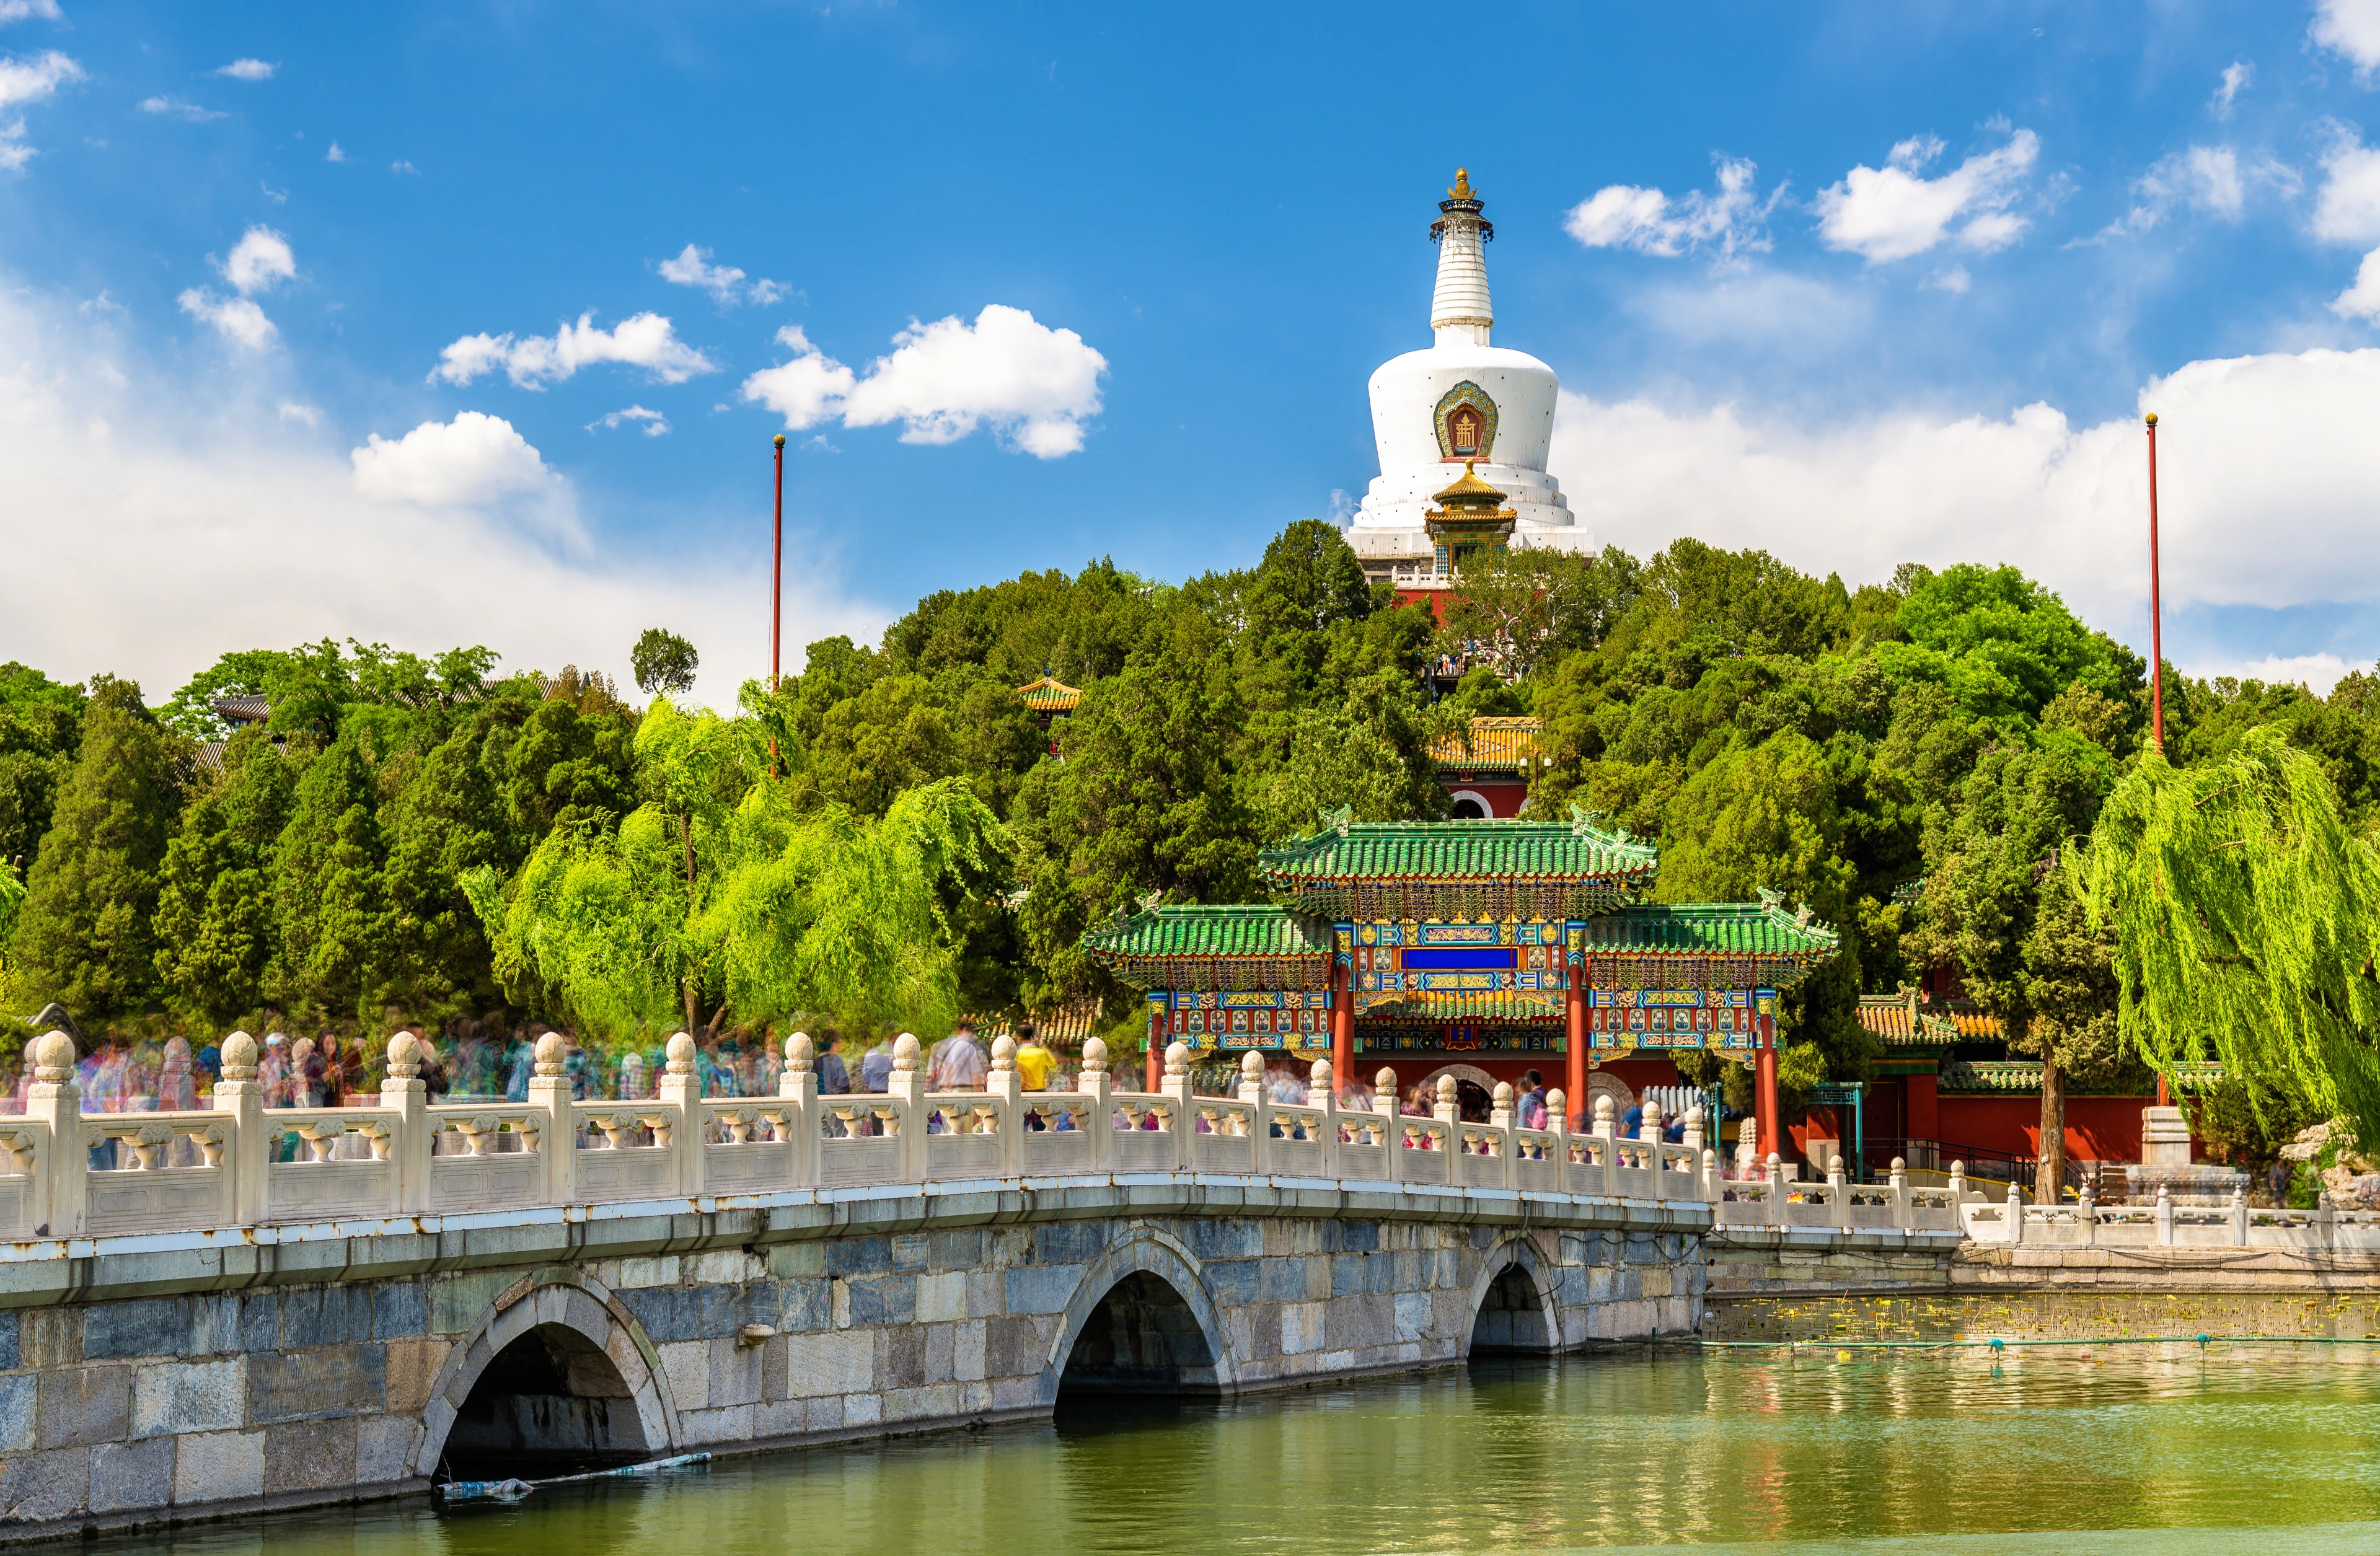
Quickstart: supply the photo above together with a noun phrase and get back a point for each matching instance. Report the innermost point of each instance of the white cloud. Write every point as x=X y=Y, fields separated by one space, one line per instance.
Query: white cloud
x=291 y=411
x=334 y=155
x=655 y=423
x=2206 y=179
x=2362 y=299
x=24 y=10
x=647 y=341
x=2347 y=208
x=474 y=459
x=236 y=318
x=807 y=390
x=260 y=261
x=249 y=70
x=1894 y=211
x=2236 y=77
x=30 y=78
x=724 y=282
x=2318 y=672
x=401 y=167
x=1624 y=216
x=2266 y=479
x=191 y=504
x=1033 y=385
x=177 y=109
x=2351 y=28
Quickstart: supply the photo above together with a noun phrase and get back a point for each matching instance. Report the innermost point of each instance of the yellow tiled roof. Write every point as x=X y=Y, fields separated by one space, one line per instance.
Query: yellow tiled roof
x=1049 y=695
x=1887 y=1017
x=1506 y=743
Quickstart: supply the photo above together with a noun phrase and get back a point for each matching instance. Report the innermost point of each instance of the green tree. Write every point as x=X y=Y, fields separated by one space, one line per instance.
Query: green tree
x=85 y=934
x=214 y=921
x=2003 y=645
x=1145 y=798
x=1529 y=608
x=663 y=663
x=718 y=888
x=2247 y=921
x=1767 y=817
x=41 y=726
x=331 y=913
x=1995 y=909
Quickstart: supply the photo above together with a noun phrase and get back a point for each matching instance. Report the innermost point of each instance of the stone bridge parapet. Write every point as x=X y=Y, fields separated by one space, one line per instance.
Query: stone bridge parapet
x=198 y=1374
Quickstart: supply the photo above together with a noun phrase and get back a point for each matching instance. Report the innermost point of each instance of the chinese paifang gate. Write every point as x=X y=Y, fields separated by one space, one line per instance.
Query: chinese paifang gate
x=1490 y=946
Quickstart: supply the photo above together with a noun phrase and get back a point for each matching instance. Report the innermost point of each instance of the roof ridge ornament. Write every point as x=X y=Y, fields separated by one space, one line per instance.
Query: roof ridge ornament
x=1773 y=902
x=1337 y=818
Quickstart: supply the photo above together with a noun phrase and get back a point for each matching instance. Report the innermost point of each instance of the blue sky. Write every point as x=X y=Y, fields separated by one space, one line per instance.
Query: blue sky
x=1907 y=274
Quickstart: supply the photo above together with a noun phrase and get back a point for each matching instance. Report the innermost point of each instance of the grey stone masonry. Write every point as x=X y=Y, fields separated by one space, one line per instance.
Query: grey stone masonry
x=196 y=1374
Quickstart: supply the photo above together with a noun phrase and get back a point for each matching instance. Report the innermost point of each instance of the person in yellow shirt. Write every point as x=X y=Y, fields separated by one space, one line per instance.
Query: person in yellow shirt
x=1034 y=1063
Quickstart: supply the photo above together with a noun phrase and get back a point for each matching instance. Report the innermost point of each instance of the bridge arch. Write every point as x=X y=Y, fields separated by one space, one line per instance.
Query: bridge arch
x=1513 y=1306
x=1142 y=1319
x=556 y=1367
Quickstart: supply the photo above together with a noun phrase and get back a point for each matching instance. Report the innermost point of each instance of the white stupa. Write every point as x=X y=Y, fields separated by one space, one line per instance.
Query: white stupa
x=1460 y=403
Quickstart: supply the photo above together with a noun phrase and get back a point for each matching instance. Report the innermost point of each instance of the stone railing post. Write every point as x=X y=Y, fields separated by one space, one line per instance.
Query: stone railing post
x=682 y=1089
x=2325 y=1218
x=1003 y=1087
x=2086 y=1213
x=1710 y=1176
x=1177 y=1087
x=1093 y=1083
x=1902 y=1216
x=906 y=1087
x=1389 y=1106
x=1446 y=1110
x=1959 y=1187
x=549 y=1090
x=1322 y=1093
x=1501 y=1115
x=2014 y=1214
x=1839 y=1193
x=249 y=1155
x=2163 y=1216
x=404 y=1091
x=797 y=1087
x=1253 y=1094
x=1606 y=1132
x=1776 y=1189
x=66 y=1167
x=1649 y=1139
x=2238 y=1218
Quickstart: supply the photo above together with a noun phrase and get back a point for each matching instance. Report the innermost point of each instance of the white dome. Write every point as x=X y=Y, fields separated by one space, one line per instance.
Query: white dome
x=1418 y=456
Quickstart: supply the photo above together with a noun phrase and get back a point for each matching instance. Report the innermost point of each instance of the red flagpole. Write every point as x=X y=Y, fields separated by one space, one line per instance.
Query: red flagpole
x=2156 y=655
x=2157 y=614
x=776 y=585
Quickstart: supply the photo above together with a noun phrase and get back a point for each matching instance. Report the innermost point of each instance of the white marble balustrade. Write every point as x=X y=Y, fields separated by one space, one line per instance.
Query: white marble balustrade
x=239 y=1164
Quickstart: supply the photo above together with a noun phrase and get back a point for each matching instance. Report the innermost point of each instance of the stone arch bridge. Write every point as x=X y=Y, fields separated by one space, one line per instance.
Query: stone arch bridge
x=202 y=1374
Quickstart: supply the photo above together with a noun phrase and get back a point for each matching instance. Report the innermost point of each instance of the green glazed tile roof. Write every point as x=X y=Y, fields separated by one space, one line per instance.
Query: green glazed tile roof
x=1761 y=928
x=1191 y=930
x=1998 y=1077
x=1525 y=850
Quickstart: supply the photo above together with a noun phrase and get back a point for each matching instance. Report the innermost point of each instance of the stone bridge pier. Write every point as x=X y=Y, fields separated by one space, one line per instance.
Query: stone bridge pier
x=192 y=1375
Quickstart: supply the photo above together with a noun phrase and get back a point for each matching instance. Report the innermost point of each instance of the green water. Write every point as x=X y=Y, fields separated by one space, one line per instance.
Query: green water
x=2143 y=1449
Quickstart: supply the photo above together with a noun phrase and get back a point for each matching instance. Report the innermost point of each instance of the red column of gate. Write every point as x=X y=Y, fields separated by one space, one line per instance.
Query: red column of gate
x=1766 y=1110
x=1575 y=1043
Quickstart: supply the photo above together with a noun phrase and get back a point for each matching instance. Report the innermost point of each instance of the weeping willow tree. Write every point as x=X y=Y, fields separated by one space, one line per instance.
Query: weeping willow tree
x=716 y=891
x=2246 y=916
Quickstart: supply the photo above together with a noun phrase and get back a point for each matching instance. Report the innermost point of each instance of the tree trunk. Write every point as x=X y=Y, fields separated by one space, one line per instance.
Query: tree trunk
x=692 y=1012
x=2048 y=1185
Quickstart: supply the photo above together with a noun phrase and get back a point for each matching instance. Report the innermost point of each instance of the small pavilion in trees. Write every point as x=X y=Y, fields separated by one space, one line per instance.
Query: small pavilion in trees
x=1496 y=946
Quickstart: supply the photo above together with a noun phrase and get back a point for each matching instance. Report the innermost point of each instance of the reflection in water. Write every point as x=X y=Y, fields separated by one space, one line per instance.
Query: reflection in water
x=1802 y=1451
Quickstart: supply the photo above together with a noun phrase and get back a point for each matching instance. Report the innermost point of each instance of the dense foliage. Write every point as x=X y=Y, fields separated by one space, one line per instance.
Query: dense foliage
x=893 y=835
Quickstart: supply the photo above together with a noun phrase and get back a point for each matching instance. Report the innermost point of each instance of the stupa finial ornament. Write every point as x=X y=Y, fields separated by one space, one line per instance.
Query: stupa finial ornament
x=1462 y=189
